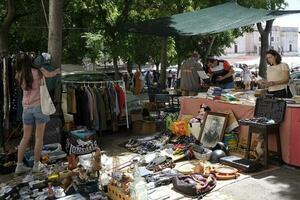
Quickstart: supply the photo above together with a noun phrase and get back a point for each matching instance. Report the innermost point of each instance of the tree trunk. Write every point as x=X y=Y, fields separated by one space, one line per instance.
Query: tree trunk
x=208 y=52
x=55 y=44
x=264 y=48
x=157 y=66
x=5 y=26
x=163 y=70
x=4 y=30
x=116 y=68
x=55 y=31
x=179 y=62
x=179 y=56
x=264 y=35
x=3 y=42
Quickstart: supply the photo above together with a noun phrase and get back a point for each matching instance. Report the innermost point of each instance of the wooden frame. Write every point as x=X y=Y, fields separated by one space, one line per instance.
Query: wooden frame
x=212 y=130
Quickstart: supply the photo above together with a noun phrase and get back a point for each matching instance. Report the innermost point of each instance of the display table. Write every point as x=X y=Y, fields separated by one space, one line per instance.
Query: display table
x=289 y=129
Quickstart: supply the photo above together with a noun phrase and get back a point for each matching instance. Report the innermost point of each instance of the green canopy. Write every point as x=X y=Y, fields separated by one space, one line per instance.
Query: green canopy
x=206 y=21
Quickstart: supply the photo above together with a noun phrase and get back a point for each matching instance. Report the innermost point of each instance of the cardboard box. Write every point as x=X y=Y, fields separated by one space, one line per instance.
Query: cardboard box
x=137 y=126
x=232 y=123
x=144 y=127
x=150 y=106
x=136 y=117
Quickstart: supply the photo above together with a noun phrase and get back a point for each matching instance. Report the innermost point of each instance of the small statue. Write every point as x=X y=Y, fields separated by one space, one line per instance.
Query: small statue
x=51 y=193
x=201 y=113
x=72 y=161
x=199 y=168
x=83 y=174
x=259 y=149
x=96 y=160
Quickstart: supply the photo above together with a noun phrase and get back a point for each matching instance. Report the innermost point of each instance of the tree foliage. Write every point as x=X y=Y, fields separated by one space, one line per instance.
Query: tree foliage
x=91 y=29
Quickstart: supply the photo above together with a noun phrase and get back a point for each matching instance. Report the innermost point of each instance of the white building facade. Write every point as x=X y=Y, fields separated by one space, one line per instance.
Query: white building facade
x=282 y=39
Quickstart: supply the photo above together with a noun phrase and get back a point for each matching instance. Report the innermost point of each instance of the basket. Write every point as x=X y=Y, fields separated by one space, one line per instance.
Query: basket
x=204 y=156
x=116 y=193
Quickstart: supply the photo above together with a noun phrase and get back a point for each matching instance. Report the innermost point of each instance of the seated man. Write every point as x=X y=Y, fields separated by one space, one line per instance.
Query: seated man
x=221 y=73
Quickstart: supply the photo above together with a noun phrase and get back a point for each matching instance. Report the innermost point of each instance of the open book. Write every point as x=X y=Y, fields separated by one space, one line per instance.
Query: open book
x=202 y=75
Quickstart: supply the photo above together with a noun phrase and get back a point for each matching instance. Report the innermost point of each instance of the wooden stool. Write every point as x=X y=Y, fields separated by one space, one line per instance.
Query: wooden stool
x=264 y=130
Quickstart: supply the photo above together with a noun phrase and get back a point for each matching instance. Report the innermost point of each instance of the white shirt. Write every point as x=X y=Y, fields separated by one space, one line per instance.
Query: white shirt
x=275 y=73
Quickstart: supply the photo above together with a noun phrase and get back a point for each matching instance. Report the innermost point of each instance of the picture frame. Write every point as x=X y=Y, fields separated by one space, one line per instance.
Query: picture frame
x=213 y=128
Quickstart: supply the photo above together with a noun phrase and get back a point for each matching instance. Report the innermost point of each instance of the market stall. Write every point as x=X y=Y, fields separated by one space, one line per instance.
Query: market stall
x=289 y=130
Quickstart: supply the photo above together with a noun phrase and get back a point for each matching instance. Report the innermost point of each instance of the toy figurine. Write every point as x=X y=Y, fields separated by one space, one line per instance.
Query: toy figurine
x=83 y=176
x=51 y=193
x=199 y=168
x=259 y=149
x=96 y=160
x=200 y=117
x=72 y=162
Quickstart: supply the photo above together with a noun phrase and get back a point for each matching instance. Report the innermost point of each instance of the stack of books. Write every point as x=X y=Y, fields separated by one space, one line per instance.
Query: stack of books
x=214 y=93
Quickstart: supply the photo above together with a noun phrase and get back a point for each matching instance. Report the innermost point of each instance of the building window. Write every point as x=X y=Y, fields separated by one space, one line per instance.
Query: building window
x=235 y=48
x=272 y=39
x=291 y=48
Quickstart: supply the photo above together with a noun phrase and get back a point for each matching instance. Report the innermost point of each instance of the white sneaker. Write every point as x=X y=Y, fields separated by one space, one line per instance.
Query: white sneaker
x=21 y=168
x=37 y=167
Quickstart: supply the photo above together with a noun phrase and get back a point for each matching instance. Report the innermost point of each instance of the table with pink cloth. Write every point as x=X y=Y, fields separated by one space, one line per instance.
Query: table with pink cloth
x=289 y=129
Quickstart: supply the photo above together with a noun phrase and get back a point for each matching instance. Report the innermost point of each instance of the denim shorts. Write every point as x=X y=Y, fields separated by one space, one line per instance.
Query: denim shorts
x=34 y=115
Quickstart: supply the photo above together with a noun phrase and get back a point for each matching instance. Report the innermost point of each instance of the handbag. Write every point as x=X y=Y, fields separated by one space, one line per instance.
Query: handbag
x=47 y=105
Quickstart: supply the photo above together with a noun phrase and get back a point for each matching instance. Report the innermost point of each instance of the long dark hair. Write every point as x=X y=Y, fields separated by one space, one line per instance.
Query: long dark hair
x=276 y=55
x=23 y=67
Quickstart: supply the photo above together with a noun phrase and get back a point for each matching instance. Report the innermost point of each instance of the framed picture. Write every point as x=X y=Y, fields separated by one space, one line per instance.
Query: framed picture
x=213 y=128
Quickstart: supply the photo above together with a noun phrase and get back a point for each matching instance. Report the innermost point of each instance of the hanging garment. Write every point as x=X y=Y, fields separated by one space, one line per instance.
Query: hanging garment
x=101 y=109
x=13 y=93
x=117 y=107
x=90 y=105
x=112 y=98
x=83 y=114
x=107 y=103
x=77 y=117
x=121 y=97
x=71 y=101
x=94 y=111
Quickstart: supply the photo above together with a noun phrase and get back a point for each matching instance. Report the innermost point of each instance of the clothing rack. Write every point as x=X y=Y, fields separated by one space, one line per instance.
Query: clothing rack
x=93 y=82
x=122 y=82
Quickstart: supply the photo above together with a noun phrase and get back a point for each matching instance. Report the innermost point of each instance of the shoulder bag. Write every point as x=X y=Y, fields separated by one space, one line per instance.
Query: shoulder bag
x=47 y=105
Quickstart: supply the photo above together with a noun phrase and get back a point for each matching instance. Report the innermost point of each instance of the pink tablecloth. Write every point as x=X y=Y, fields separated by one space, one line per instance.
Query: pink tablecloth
x=289 y=130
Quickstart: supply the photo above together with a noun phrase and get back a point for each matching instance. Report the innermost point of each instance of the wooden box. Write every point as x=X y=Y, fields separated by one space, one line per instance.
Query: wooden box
x=116 y=193
x=144 y=127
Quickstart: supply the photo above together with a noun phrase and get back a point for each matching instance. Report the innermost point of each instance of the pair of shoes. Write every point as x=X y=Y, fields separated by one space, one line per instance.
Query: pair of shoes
x=21 y=169
x=37 y=167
